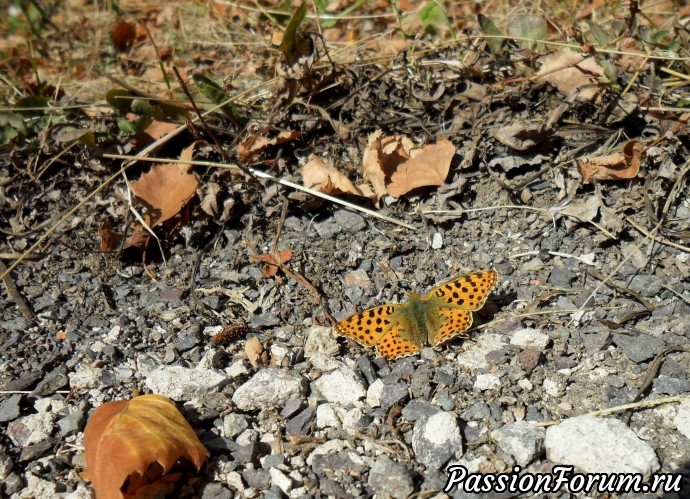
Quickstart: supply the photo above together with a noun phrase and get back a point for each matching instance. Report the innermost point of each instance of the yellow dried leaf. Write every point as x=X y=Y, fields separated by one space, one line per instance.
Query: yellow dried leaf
x=124 y=438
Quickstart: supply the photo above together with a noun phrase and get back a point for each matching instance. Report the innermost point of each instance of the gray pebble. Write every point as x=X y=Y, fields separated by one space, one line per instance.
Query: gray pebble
x=299 y=425
x=419 y=409
x=265 y=320
x=646 y=285
x=663 y=385
x=393 y=394
x=436 y=439
x=349 y=220
x=562 y=277
x=391 y=478
x=522 y=441
x=258 y=479
x=9 y=408
x=234 y=424
x=268 y=388
x=638 y=348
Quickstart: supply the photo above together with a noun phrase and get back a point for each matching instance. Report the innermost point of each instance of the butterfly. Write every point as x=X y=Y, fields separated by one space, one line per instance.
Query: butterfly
x=401 y=329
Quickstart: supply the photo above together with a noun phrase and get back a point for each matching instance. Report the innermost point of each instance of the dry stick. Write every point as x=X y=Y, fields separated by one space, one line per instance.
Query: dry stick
x=624 y=407
x=652 y=371
x=219 y=149
x=296 y=275
x=279 y=181
x=14 y=294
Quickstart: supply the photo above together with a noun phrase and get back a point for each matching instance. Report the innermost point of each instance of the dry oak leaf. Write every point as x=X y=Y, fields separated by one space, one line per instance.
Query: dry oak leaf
x=166 y=188
x=570 y=71
x=124 y=438
x=321 y=176
x=372 y=164
x=257 y=143
x=271 y=263
x=619 y=166
x=428 y=166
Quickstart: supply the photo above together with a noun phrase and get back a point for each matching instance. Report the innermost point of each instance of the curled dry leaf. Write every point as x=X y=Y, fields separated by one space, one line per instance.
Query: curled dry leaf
x=619 y=166
x=427 y=167
x=257 y=143
x=321 y=176
x=402 y=167
x=570 y=71
x=110 y=240
x=125 y=439
x=271 y=262
x=394 y=166
x=166 y=188
x=372 y=164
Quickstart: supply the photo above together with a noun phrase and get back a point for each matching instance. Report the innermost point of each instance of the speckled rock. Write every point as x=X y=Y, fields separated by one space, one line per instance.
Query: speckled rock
x=599 y=445
x=269 y=388
x=436 y=439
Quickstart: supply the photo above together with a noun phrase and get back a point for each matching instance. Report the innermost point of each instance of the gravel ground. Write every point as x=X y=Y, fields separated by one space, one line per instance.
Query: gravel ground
x=589 y=314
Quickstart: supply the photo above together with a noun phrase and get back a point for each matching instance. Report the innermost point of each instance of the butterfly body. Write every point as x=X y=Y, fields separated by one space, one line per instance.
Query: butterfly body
x=400 y=329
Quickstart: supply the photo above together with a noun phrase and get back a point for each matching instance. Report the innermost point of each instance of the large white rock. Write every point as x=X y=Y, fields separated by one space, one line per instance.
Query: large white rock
x=599 y=445
x=268 y=388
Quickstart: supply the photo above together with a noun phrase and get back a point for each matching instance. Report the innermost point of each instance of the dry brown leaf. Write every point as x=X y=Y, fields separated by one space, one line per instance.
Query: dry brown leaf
x=123 y=35
x=124 y=438
x=271 y=264
x=427 y=167
x=110 y=240
x=372 y=164
x=569 y=71
x=323 y=177
x=255 y=351
x=158 y=129
x=620 y=166
x=257 y=143
x=166 y=188
x=394 y=166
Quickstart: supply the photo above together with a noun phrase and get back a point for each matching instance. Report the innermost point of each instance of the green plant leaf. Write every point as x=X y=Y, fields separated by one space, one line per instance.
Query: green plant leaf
x=532 y=28
x=213 y=92
x=290 y=46
x=120 y=100
x=433 y=17
x=603 y=37
x=490 y=28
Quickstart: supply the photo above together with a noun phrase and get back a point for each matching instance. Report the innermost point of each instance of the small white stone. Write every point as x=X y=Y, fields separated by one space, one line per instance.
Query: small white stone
x=278 y=353
x=327 y=416
x=30 y=429
x=267 y=388
x=341 y=386
x=237 y=369
x=486 y=382
x=525 y=384
x=682 y=418
x=552 y=387
x=374 y=393
x=247 y=437
x=234 y=481
x=183 y=384
x=85 y=377
x=530 y=337
x=320 y=340
x=475 y=357
x=522 y=441
x=437 y=241
x=279 y=479
x=324 y=362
